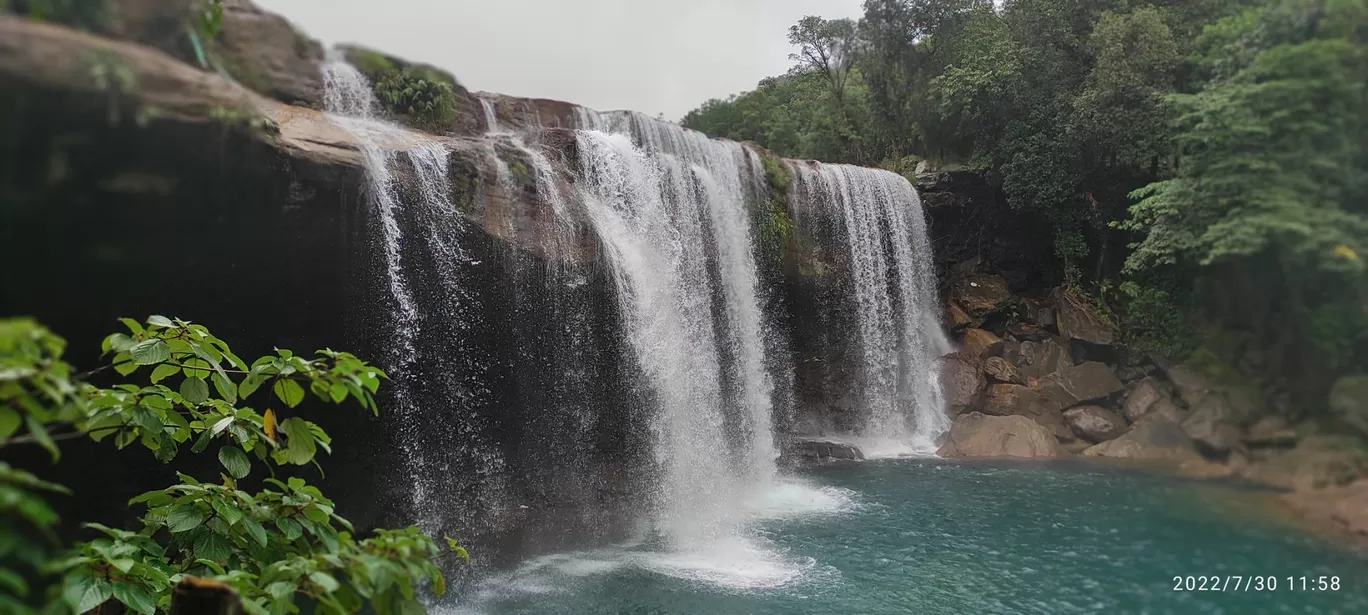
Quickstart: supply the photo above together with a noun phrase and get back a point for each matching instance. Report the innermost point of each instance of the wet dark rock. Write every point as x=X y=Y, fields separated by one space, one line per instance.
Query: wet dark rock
x=810 y=450
x=981 y=295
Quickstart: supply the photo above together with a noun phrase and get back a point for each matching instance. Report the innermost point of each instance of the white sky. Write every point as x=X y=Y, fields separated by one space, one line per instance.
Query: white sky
x=647 y=55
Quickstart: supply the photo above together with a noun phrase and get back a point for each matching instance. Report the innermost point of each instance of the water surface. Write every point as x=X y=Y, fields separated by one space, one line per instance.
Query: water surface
x=927 y=536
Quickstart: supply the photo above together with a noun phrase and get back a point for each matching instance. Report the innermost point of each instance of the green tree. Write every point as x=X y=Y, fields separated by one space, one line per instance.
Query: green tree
x=275 y=545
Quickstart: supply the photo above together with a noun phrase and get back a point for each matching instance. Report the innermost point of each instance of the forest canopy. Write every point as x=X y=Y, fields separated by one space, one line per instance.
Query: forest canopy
x=1218 y=146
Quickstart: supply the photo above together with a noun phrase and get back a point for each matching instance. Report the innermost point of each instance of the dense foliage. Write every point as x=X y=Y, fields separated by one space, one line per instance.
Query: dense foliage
x=276 y=540
x=1201 y=161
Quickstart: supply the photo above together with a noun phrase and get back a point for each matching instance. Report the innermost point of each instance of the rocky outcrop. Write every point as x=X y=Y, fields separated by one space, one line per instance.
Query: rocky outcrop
x=980 y=344
x=1000 y=370
x=1150 y=396
x=981 y=295
x=962 y=382
x=1095 y=423
x=979 y=435
x=265 y=52
x=1154 y=438
x=1078 y=384
x=1079 y=320
x=816 y=450
x=1040 y=359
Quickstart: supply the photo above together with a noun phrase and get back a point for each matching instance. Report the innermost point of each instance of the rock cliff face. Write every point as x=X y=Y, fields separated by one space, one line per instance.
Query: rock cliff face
x=137 y=182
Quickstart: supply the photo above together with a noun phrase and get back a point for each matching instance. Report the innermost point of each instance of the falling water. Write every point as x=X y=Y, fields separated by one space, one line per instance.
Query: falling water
x=491 y=116
x=658 y=208
x=894 y=295
x=349 y=104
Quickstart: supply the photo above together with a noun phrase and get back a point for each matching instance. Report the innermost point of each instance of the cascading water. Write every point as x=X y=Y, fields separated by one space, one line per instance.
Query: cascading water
x=659 y=210
x=350 y=104
x=894 y=288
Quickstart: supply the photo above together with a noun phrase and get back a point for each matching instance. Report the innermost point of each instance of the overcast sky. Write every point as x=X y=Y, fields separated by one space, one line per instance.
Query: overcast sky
x=647 y=55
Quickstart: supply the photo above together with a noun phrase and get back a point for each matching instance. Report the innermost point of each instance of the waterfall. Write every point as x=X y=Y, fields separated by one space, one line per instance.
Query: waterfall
x=671 y=215
x=491 y=116
x=423 y=207
x=883 y=229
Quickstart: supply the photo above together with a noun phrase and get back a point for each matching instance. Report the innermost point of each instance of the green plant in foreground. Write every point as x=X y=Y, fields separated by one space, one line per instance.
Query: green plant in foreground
x=274 y=545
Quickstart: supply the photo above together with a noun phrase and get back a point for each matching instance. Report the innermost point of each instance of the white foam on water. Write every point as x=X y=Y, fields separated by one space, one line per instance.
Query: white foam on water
x=788 y=498
x=730 y=562
x=875 y=447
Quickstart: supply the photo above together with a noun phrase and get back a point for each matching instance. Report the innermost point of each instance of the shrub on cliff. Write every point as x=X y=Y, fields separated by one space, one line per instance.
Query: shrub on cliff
x=271 y=541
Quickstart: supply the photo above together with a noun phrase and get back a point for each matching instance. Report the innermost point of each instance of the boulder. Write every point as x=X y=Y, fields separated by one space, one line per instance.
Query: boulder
x=1095 y=423
x=1204 y=380
x=956 y=318
x=1000 y=370
x=1212 y=427
x=1316 y=463
x=1001 y=399
x=979 y=344
x=1079 y=320
x=265 y=52
x=1040 y=359
x=1349 y=399
x=962 y=382
x=1154 y=438
x=1150 y=395
x=981 y=295
x=1016 y=400
x=1271 y=432
x=979 y=435
x=1077 y=384
x=1344 y=509
x=805 y=449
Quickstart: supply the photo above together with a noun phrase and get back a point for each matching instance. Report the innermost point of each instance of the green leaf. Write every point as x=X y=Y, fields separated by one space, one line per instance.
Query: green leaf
x=150 y=352
x=183 y=518
x=229 y=513
x=132 y=325
x=134 y=597
x=163 y=372
x=325 y=580
x=202 y=442
x=338 y=392
x=235 y=461
x=250 y=384
x=9 y=422
x=161 y=321
x=84 y=592
x=225 y=387
x=195 y=390
x=301 y=447
x=254 y=530
x=146 y=419
x=290 y=528
x=289 y=392
x=212 y=547
x=40 y=433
